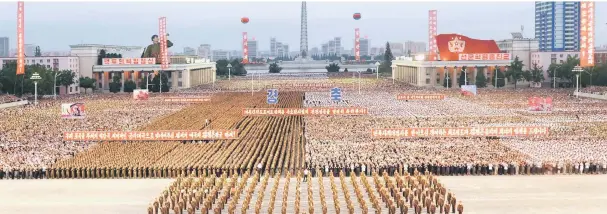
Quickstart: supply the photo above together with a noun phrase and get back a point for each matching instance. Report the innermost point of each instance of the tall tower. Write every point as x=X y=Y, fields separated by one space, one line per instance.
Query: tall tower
x=303 y=42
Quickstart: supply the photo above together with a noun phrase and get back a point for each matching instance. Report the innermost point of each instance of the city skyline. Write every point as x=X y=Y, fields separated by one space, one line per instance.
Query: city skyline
x=222 y=30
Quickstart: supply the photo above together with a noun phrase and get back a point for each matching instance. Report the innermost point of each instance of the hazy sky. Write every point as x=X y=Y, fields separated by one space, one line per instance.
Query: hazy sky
x=54 y=26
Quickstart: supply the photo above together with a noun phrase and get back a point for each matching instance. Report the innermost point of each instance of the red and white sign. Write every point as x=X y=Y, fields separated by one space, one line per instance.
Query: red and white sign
x=150 y=135
x=587 y=34
x=420 y=97
x=303 y=111
x=432 y=31
x=356 y=44
x=141 y=94
x=186 y=100
x=245 y=48
x=484 y=56
x=164 y=54
x=20 y=38
x=460 y=132
x=129 y=61
x=73 y=110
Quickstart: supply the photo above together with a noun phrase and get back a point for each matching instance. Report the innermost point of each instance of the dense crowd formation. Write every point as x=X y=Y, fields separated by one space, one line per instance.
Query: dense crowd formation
x=5 y=98
x=258 y=192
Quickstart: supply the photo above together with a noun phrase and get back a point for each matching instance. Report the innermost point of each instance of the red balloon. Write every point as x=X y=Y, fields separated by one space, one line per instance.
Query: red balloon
x=356 y=16
x=244 y=20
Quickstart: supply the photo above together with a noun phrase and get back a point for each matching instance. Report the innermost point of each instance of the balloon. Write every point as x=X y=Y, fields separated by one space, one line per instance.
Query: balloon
x=244 y=20
x=356 y=16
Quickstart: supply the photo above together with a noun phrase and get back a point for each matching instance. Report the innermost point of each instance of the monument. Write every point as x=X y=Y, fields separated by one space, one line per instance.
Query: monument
x=303 y=41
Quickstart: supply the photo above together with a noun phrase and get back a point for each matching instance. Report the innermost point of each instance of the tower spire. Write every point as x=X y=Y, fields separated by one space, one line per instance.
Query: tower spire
x=303 y=42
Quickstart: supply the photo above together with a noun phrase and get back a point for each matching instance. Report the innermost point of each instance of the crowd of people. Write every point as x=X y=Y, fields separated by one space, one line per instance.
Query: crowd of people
x=31 y=137
x=7 y=98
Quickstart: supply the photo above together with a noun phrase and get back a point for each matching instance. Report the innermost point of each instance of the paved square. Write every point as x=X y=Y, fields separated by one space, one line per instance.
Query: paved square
x=554 y=194
x=71 y=196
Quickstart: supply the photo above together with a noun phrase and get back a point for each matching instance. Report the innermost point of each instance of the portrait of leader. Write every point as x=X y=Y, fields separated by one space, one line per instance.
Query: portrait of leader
x=153 y=50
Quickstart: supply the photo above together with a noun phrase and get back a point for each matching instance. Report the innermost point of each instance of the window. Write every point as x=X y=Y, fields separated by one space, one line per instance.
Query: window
x=48 y=60
x=179 y=73
x=561 y=56
x=561 y=61
x=179 y=84
x=427 y=81
x=70 y=89
x=77 y=89
x=40 y=61
x=48 y=66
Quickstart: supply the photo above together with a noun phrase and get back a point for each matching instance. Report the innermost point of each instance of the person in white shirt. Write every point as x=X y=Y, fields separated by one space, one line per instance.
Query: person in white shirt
x=506 y=169
x=326 y=170
x=305 y=175
x=363 y=169
x=490 y=169
x=586 y=167
x=259 y=167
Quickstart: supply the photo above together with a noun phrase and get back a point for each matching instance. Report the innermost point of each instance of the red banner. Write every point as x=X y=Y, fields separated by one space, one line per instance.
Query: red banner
x=303 y=111
x=245 y=48
x=164 y=54
x=129 y=61
x=460 y=132
x=587 y=34
x=20 y=38
x=356 y=44
x=186 y=100
x=432 y=31
x=150 y=135
x=450 y=46
x=420 y=97
x=484 y=56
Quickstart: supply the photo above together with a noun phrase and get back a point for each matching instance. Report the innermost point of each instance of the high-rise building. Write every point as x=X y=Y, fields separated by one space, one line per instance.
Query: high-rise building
x=188 y=51
x=30 y=49
x=397 y=49
x=314 y=51
x=252 y=49
x=332 y=47
x=221 y=54
x=414 y=47
x=338 y=46
x=4 y=47
x=374 y=51
x=204 y=51
x=273 y=47
x=557 y=25
x=364 y=47
x=285 y=49
x=325 y=49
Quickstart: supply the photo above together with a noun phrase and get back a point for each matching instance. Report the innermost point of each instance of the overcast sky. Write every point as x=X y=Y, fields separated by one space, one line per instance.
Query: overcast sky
x=54 y=26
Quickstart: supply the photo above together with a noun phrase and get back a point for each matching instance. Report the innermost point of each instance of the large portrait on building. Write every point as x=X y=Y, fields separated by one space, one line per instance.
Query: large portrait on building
x=451 y=45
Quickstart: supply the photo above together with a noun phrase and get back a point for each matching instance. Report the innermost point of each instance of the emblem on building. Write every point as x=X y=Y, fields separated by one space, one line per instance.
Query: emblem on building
x=456 y=45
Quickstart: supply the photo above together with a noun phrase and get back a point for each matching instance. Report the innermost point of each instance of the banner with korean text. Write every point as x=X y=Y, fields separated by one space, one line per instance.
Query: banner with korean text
x=73 y=111
x=186 y=100
x=169 y=135
x=20 y=38
x=587 y=33
x=162 y=32
x=420 y=97
x=460 y=132
x=129 y=61
x=303 y=111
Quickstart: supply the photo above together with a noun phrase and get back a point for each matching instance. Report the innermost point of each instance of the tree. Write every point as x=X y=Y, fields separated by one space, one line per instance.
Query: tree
x=129 y=86
x=481 y=80
x=386 y=66
x=100 y=56
x=515 y=71
x=116 y=84
x=86 y=83
x=333 y=67
x=66 y=78
x=536 y=74
x=274 y=68
x=22 y=84
x=155 y=84
x=38 y=52
x=501 y=82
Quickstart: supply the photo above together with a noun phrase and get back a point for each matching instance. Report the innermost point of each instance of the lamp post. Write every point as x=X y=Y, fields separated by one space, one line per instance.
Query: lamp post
x=55 y=86
x=35 y=77
x=554 y=78
x=577 y=70
x=465 y=75
x=377 y=69
x=229 y=72
x=447 y=72
x=496 y=70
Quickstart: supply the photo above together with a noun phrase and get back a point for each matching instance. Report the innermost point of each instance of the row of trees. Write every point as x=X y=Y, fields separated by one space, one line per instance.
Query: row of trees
x=19 y=85
x=103 y=54
x=236 y=70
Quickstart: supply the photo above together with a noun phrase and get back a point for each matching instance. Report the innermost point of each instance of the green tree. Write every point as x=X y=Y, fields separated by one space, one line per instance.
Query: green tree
x=66 y=78
x=515 y=71
x=22 y=84
x=116 y=84
x=129 y=86
x=274 y=68
x=155 y=84
x=386 y=66
x=501 y=79
x=100 y=56
x=333 y=67
x=481 y=79
x=38 y=52
x=86 y=83
x=535 y=75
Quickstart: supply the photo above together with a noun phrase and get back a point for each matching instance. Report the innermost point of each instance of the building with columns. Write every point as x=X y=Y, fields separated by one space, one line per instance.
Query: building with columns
x=455 y=52
x=182 y=73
